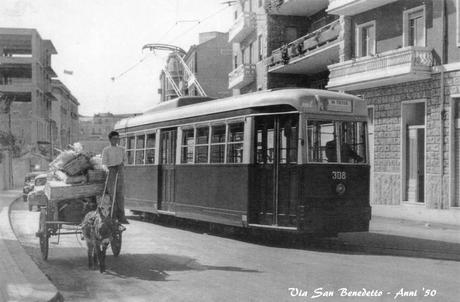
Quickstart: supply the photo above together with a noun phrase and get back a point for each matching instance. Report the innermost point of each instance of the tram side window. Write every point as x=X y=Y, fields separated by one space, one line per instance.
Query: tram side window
x=130 y=149
x=150 y=148
x=122 y=142
x=235 y=142
x=289 y=138
x=321 y=136
x=265 y=144
x=140 y=149
x=202 y=145
x=187 y=145
x=217 y=143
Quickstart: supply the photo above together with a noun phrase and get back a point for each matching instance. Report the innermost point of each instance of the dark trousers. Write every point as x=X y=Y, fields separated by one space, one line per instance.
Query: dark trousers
x=119 y=204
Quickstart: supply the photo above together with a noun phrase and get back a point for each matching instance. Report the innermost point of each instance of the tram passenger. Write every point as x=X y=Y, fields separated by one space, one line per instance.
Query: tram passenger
x=113 y=158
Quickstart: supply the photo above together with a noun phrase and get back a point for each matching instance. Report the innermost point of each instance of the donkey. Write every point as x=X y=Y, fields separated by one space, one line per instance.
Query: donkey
x=98 y=229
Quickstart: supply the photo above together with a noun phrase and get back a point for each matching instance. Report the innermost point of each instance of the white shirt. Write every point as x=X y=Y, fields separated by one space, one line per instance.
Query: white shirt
x=113 y=156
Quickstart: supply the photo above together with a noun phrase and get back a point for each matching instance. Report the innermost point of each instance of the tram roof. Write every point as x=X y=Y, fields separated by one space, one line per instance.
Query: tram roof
x=187 y=107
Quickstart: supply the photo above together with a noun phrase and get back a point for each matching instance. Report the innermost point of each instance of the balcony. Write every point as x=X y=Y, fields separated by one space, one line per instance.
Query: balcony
x=387 y=68
x=17 y=60
x=21 y=95
x=243 y=26
x=354 y=7
x=16 y=81
x=20 y=88
x=295 y=7
x=244 y=75
x=308 y=54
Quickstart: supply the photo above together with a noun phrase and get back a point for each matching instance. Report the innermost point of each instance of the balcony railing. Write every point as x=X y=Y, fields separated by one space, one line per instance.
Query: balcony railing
x=15 y=81
x=243 y=26
x=242 y=76
x=306 y=44
x=294 y=7
x=405 y=64
x=353 y=7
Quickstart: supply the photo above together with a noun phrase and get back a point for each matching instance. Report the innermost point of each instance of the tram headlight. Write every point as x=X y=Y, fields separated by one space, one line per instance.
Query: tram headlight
x=340 y=189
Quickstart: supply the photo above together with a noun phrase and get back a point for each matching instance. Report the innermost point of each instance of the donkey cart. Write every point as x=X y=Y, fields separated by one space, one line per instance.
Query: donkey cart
x=64 y=211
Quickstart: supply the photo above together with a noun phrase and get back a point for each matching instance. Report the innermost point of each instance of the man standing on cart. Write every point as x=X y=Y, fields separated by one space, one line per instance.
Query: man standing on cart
x=113 y=157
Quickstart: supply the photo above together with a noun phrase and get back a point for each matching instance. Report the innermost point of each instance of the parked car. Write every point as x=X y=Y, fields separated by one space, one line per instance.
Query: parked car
x=37 y=197
x=29 y=181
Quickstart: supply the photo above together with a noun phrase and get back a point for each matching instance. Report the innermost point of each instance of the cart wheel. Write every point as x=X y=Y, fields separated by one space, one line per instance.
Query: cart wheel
x=44 y=237
x=116 y=244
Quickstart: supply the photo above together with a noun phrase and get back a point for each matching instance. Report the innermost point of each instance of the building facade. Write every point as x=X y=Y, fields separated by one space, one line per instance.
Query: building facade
x=64 y=115
x=210 y=62
x=402 y=57
x=25 y=78
x=94 y=130
x=282 y=44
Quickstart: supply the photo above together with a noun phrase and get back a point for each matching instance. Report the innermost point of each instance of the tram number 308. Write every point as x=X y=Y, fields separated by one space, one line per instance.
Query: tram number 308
x=339 y=175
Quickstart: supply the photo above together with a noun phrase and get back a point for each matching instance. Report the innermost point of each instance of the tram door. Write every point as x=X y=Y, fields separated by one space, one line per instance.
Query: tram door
x=167 y=173
x=276 y=176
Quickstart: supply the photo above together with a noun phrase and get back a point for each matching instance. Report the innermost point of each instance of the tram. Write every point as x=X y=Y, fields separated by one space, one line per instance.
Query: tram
x=292 y=160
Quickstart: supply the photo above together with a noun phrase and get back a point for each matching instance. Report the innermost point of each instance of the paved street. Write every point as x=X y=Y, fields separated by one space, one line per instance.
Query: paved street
x=161 y=263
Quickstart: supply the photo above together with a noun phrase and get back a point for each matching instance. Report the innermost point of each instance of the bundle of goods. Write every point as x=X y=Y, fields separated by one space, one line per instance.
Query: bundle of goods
x=78 y=165
x=73 y=166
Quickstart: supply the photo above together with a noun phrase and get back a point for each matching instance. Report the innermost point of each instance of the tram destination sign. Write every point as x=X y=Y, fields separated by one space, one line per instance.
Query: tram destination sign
x=337 y=105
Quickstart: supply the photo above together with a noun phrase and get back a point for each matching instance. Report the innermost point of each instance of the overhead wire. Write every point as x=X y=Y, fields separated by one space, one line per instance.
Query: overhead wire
x=129 y=69
x=199 y=22
x=176 y=37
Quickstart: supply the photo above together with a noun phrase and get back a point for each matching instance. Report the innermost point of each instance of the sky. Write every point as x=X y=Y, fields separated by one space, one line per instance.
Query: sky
x=102 y=39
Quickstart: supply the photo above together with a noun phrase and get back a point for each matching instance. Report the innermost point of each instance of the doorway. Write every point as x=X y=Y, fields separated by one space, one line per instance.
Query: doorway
x=168 y=139
x=413 y=151
x=276 y=174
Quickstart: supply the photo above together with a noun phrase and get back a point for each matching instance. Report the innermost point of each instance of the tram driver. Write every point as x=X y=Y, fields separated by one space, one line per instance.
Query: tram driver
x=347 y=153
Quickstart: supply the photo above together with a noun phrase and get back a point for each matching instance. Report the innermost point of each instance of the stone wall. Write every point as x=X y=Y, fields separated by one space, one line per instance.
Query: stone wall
x=387 y=188
x=437 y=194
x=387 y=102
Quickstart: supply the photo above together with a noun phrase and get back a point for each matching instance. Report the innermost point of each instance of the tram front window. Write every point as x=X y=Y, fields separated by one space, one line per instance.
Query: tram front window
x=323 y=137
x=353 y=142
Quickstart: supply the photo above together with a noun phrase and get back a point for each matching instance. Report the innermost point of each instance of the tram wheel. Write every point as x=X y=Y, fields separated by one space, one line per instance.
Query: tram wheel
x=115 y=245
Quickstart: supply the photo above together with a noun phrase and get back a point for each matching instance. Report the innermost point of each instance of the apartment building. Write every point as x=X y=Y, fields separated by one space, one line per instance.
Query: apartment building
x=210 y=62
x=25 y=78
x=282 y=44
x=64 y=116
x=402 y=57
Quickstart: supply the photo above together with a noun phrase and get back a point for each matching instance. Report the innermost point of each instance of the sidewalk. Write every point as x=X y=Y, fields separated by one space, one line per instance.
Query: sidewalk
x=20 y=278
x=409 y=238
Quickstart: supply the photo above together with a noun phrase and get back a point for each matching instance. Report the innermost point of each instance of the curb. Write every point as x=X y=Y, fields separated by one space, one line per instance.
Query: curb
x=28 y=282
